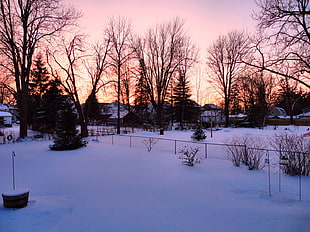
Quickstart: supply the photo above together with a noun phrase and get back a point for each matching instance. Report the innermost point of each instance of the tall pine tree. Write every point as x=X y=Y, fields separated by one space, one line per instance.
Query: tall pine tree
x=38 y=85
x=45 y=95
x=142 y=99
x=184 y=107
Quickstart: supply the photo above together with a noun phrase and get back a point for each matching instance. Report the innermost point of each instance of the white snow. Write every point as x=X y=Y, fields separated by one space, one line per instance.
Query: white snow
x=117 y=188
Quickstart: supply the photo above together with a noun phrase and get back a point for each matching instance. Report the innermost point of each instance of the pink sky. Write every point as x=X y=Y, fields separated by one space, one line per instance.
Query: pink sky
x=205 y=20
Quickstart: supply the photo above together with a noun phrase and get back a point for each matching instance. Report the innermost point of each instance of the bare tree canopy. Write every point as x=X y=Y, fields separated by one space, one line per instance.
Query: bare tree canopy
x=286 y=26
x=223 y=60
x=68 y=59
x=164 y=51
x=23 y=25
x=118 y=32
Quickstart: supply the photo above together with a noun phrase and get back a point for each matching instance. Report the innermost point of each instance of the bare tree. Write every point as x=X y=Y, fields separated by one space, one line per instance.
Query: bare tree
x=285 y=25
x=97 y=66
x=68 y=59
x=223 y=60
x=23 y=25
x=118 y=31
x=161 y=54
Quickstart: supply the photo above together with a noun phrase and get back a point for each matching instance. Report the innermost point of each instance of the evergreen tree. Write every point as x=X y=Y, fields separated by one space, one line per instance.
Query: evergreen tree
x=51 y=100
x=44 y=95
x=38 y=83
x=67 y=136
x=199 y=135
x=91 y=108
x=184 y=107
x=142 y=99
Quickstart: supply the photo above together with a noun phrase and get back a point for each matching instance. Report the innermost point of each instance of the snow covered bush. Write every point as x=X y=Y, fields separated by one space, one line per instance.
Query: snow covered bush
x=199 y=135
x=149 y=143
x=296 y=150
x=188 y=155
x=245 y=150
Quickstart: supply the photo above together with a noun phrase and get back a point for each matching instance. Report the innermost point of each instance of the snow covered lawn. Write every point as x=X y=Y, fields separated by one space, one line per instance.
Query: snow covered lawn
x=120 y=189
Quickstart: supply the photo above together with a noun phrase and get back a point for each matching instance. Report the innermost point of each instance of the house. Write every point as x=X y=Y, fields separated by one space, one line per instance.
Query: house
x=109 y=115
x=5 y=118
x=235 y=119
x=212 y=114
x=276 y=112
x=304 y=116
x=11 y=109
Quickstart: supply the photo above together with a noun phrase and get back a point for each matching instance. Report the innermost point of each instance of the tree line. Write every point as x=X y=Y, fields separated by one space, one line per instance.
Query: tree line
x=40 y=39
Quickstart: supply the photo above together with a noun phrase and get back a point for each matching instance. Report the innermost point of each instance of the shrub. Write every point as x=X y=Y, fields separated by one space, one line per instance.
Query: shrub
x=199 y=135
x=188 y=155
x=149 y=143
x=296 y=150
x=245 y=150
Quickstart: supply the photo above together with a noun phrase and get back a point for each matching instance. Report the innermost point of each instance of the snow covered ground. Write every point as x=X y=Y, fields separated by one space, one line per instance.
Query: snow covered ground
x=117 y=188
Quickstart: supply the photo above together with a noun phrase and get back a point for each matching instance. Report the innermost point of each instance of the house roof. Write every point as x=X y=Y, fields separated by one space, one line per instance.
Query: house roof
x=211 y=107
x=5 y=114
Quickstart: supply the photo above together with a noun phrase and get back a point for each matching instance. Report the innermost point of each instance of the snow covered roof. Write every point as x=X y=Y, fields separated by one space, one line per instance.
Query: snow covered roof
x=123 y=113
x=211 y=107
x=5 y=114
x=238 y=116
x=305 y=114
x=4 y=107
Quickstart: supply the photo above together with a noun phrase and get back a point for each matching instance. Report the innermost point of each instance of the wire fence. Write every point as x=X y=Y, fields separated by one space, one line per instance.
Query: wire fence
x=271 y=162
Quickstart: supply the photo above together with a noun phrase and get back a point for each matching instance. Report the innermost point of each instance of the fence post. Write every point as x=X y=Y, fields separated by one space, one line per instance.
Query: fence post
x=269 y=184
x=300 y=187
x=206 y=150
x=130 y=141
x=112 y=140
x=175 y=147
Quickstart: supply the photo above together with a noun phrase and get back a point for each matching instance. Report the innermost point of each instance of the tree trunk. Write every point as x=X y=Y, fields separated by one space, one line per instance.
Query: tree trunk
x=119 y=100
x=226 y=112
x=83 y=123
x=23 y=113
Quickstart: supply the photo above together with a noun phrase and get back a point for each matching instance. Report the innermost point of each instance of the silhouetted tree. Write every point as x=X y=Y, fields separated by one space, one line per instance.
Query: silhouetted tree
x=68 y=60
x=224 y=57
x=164 y=49
x=91 y=108
x=284 y=25
x=184 y=107
x=118 y=32
x=23 y=25
x=38 y=85
x=67 y=136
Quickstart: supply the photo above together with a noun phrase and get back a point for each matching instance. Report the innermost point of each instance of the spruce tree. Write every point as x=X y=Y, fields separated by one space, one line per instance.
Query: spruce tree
x=67 y=136
x=91 y=108
x=38 y=85
x=142 y=99
x=199 y=135
x=45 y=94
x=184 y=107
x=51 y=100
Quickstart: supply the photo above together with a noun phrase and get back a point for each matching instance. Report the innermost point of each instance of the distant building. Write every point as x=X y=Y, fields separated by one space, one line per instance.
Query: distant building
x=305 y=116
x=109 y=115
x=5 y=118
x=212 y=113
x=277 y=112
x=13 y=111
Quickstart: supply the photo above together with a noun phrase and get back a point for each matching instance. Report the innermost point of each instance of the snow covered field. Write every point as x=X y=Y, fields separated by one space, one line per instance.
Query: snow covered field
x=120 y=189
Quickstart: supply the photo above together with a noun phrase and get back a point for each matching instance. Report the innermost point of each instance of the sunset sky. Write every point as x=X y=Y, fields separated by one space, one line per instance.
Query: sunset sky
x=204 y=20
